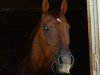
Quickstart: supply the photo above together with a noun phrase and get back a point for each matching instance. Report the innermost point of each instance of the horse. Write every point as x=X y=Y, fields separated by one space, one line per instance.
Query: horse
x=49 y=53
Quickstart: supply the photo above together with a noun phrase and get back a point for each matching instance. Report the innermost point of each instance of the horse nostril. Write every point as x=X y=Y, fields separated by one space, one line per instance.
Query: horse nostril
x=72 y=60
x=60 y=61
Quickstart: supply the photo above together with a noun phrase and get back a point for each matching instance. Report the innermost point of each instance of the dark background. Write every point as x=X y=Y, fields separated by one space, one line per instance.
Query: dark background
x=19 y=17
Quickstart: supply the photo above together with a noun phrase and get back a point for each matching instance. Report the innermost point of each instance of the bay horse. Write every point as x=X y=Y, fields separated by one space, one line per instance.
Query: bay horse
x=50 y=46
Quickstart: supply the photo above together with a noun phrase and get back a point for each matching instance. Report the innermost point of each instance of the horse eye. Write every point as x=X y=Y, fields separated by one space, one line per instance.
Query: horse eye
x=46 y=27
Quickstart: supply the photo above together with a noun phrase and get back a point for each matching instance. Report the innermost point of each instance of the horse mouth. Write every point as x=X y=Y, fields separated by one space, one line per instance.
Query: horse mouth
x=64 y=69
x=63 y=65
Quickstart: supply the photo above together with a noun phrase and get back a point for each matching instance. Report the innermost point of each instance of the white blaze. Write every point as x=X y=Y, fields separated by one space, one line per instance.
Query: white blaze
x=58 y=20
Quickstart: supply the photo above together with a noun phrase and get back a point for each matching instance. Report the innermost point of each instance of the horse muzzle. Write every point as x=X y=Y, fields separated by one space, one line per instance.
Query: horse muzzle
x=63 y=61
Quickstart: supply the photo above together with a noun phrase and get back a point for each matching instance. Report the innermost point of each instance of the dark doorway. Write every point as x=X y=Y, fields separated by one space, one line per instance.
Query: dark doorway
x=19 y=17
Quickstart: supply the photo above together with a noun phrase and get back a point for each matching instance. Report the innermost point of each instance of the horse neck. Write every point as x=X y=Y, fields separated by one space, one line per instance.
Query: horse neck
x=37 y=57
x=33 y=64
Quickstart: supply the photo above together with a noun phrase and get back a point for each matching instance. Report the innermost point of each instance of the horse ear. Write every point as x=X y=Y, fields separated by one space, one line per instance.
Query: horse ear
x=45 y=6
x=63 y=7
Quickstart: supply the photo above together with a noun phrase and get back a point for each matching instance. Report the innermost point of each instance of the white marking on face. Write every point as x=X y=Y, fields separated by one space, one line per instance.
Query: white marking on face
x=58 y=20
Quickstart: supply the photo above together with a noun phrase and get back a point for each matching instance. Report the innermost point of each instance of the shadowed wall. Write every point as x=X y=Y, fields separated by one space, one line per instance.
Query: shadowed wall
x=19 y=17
